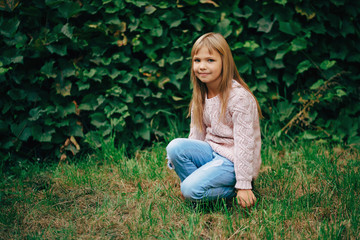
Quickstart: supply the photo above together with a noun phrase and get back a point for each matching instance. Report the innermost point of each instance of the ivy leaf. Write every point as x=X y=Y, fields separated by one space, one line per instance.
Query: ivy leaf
x=16 y=94
x=46 y=136
x=285 y=109
x=251 y=45
x=9 y=27
x=281 y=2
x=67 y=30
x=277 y=64
x=245 y=12
x=149 y=23
x=197 y=23
x=262 y=87
x=98 y=119
x=21 y=130
x=341 y=93
x=310 y=135
x=191 y=2
x=175 y=56
x=224 y=27
x=318 y=84
x=150 y=9
x=327 y=64
x=138 y=3
x=291 y=28
x=60 y=49
x=298 y=44
x=47 y=69
x=144 y=132
x=36 y=113
x=281 y=53
x=68 y=9
x=303 y=66
x=76 y=130
x=173 y=18
x=264 y=25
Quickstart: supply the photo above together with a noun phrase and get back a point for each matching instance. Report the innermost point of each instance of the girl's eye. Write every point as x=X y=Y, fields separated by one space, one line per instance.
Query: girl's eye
x=196 y=60
x=211 y=60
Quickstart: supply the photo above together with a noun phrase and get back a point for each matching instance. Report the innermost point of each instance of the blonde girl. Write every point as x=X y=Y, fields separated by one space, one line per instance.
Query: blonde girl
x=221 y=156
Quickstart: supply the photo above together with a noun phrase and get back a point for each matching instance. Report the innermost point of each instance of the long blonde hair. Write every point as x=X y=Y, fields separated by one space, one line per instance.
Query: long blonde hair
x=214 y=42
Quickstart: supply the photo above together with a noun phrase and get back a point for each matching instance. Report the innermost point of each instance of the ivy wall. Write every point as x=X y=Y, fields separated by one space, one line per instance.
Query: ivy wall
x=87 y=69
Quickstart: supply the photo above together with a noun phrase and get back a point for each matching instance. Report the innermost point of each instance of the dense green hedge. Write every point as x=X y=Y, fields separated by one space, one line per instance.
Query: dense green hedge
x=74 y=70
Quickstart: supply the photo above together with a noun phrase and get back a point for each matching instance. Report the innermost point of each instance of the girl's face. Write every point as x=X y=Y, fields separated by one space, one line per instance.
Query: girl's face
x=208 y=67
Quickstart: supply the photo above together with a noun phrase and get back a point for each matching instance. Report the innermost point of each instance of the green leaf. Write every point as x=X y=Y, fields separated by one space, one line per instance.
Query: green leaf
x=76 y=130
x=277 y=64
x=144 y=132
x=46 y=136
x=68 y=9
x=251 y=45
x=285 y=110
x=67 y=30
x=264 y=25
x=281 y=53
x=224 y=27
x=150 y=9
x=36 y=113
x=262 y=87
x=327 y=64
x=191 y=2
x=341 y=93
x=245 y=12
x=149 y=23
x=138 y=3
x=9 y=27
x=173 y=18
x=89 y=73
x=291 y=28
x=16 y=94
x=197 y=23
x=281 y=2
x=21 y=130
x=289 y=79
x=83 y=86
x=303 y=66
x=310 y=135
x=298 y=44
x=175 y=56
x=318 y=84
x=98 y=120
x=60 y=49
x=47 y=69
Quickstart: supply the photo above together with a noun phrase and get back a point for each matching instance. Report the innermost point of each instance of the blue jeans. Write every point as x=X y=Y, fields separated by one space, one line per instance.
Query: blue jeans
x=204 y=174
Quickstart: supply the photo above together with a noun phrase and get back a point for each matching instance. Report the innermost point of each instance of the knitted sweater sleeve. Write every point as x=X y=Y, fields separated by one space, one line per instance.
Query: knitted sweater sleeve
x=244 y=113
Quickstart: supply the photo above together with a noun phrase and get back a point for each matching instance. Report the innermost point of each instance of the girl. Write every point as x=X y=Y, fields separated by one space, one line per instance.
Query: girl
x=221 y=157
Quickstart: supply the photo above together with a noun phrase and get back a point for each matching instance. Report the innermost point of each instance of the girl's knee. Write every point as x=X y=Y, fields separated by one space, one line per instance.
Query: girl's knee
x=174 y=147
x=191 y=191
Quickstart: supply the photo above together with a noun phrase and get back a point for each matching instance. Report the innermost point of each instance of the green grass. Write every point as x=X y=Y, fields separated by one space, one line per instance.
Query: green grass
x=304 y=192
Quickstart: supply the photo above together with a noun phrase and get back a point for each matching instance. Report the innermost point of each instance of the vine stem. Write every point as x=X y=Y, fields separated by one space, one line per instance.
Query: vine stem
x=311 y=102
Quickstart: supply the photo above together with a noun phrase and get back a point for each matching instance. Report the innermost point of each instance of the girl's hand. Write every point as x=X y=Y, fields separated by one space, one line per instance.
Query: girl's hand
x=245 y=197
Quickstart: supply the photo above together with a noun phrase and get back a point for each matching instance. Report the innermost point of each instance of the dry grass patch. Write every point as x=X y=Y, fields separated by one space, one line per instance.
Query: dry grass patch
x=303 y=192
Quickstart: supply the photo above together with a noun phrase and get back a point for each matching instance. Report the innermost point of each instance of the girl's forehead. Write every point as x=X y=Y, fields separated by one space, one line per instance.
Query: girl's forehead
x=206 y=49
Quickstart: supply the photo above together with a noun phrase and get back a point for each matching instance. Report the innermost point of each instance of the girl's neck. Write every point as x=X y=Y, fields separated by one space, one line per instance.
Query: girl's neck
x=211 y=94
x=212 y=91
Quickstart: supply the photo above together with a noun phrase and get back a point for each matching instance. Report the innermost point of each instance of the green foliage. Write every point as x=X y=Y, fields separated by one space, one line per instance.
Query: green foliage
x=71 y=69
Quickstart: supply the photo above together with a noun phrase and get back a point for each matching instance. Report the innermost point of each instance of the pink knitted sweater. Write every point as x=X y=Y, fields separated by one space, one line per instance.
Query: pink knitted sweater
x=237 y=137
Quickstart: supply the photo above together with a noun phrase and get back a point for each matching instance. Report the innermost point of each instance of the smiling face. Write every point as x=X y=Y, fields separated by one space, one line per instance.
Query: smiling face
x=207 y=67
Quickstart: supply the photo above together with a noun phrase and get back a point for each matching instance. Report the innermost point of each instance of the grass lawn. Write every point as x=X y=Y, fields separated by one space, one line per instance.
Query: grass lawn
x=304 y=191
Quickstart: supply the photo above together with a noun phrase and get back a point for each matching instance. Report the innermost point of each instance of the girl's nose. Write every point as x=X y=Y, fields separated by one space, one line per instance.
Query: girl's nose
x=202 y=66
